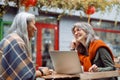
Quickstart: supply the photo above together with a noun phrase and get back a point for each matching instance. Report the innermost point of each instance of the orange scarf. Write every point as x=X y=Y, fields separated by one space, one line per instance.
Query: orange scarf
x=94 y=46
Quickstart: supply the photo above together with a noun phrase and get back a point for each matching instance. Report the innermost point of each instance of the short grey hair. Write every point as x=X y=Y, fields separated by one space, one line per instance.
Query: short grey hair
x=88 y=29
x=19 y=26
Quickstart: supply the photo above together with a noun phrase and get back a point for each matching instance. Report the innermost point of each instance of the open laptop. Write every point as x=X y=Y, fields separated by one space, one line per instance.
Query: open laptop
x=66 y=62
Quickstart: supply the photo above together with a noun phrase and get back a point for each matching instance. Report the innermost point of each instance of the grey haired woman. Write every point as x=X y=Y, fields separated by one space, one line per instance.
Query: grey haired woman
x=15 y=50
x=94 y=54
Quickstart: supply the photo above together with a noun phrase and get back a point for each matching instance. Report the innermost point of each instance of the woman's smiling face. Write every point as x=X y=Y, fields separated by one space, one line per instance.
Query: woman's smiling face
x=31 y=28
x=79 y=34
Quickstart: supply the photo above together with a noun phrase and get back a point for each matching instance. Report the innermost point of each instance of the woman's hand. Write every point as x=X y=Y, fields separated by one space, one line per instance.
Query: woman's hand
x=73 y=45
x=93 y=68
x=45 y=71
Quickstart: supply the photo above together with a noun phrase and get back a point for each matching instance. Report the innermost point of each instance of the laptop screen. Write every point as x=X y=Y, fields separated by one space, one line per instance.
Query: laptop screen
x=66 y=62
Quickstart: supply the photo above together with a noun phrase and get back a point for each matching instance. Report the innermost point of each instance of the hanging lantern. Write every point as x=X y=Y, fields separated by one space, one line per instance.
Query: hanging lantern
x=28 y=3
x=90 y=10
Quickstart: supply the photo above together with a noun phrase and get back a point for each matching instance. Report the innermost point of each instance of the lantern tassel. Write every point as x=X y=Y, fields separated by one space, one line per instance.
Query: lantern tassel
x=115 y=23
x=88 y=18
x=26 y=9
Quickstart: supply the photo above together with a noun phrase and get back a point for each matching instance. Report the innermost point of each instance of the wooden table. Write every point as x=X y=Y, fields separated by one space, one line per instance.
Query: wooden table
x=98 y=75
x=61 y=77
x=86 y=75
x=83 y=76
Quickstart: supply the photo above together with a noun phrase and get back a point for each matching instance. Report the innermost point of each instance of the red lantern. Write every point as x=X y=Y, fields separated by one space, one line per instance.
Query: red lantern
x=28 y=3
x=90 y=10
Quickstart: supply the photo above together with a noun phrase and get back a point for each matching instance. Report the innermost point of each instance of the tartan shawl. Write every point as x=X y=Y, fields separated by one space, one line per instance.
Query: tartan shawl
x=15 y=63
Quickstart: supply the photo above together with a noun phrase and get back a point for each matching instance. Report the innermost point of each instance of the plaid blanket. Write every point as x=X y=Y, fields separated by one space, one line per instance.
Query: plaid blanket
x=15 y=63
